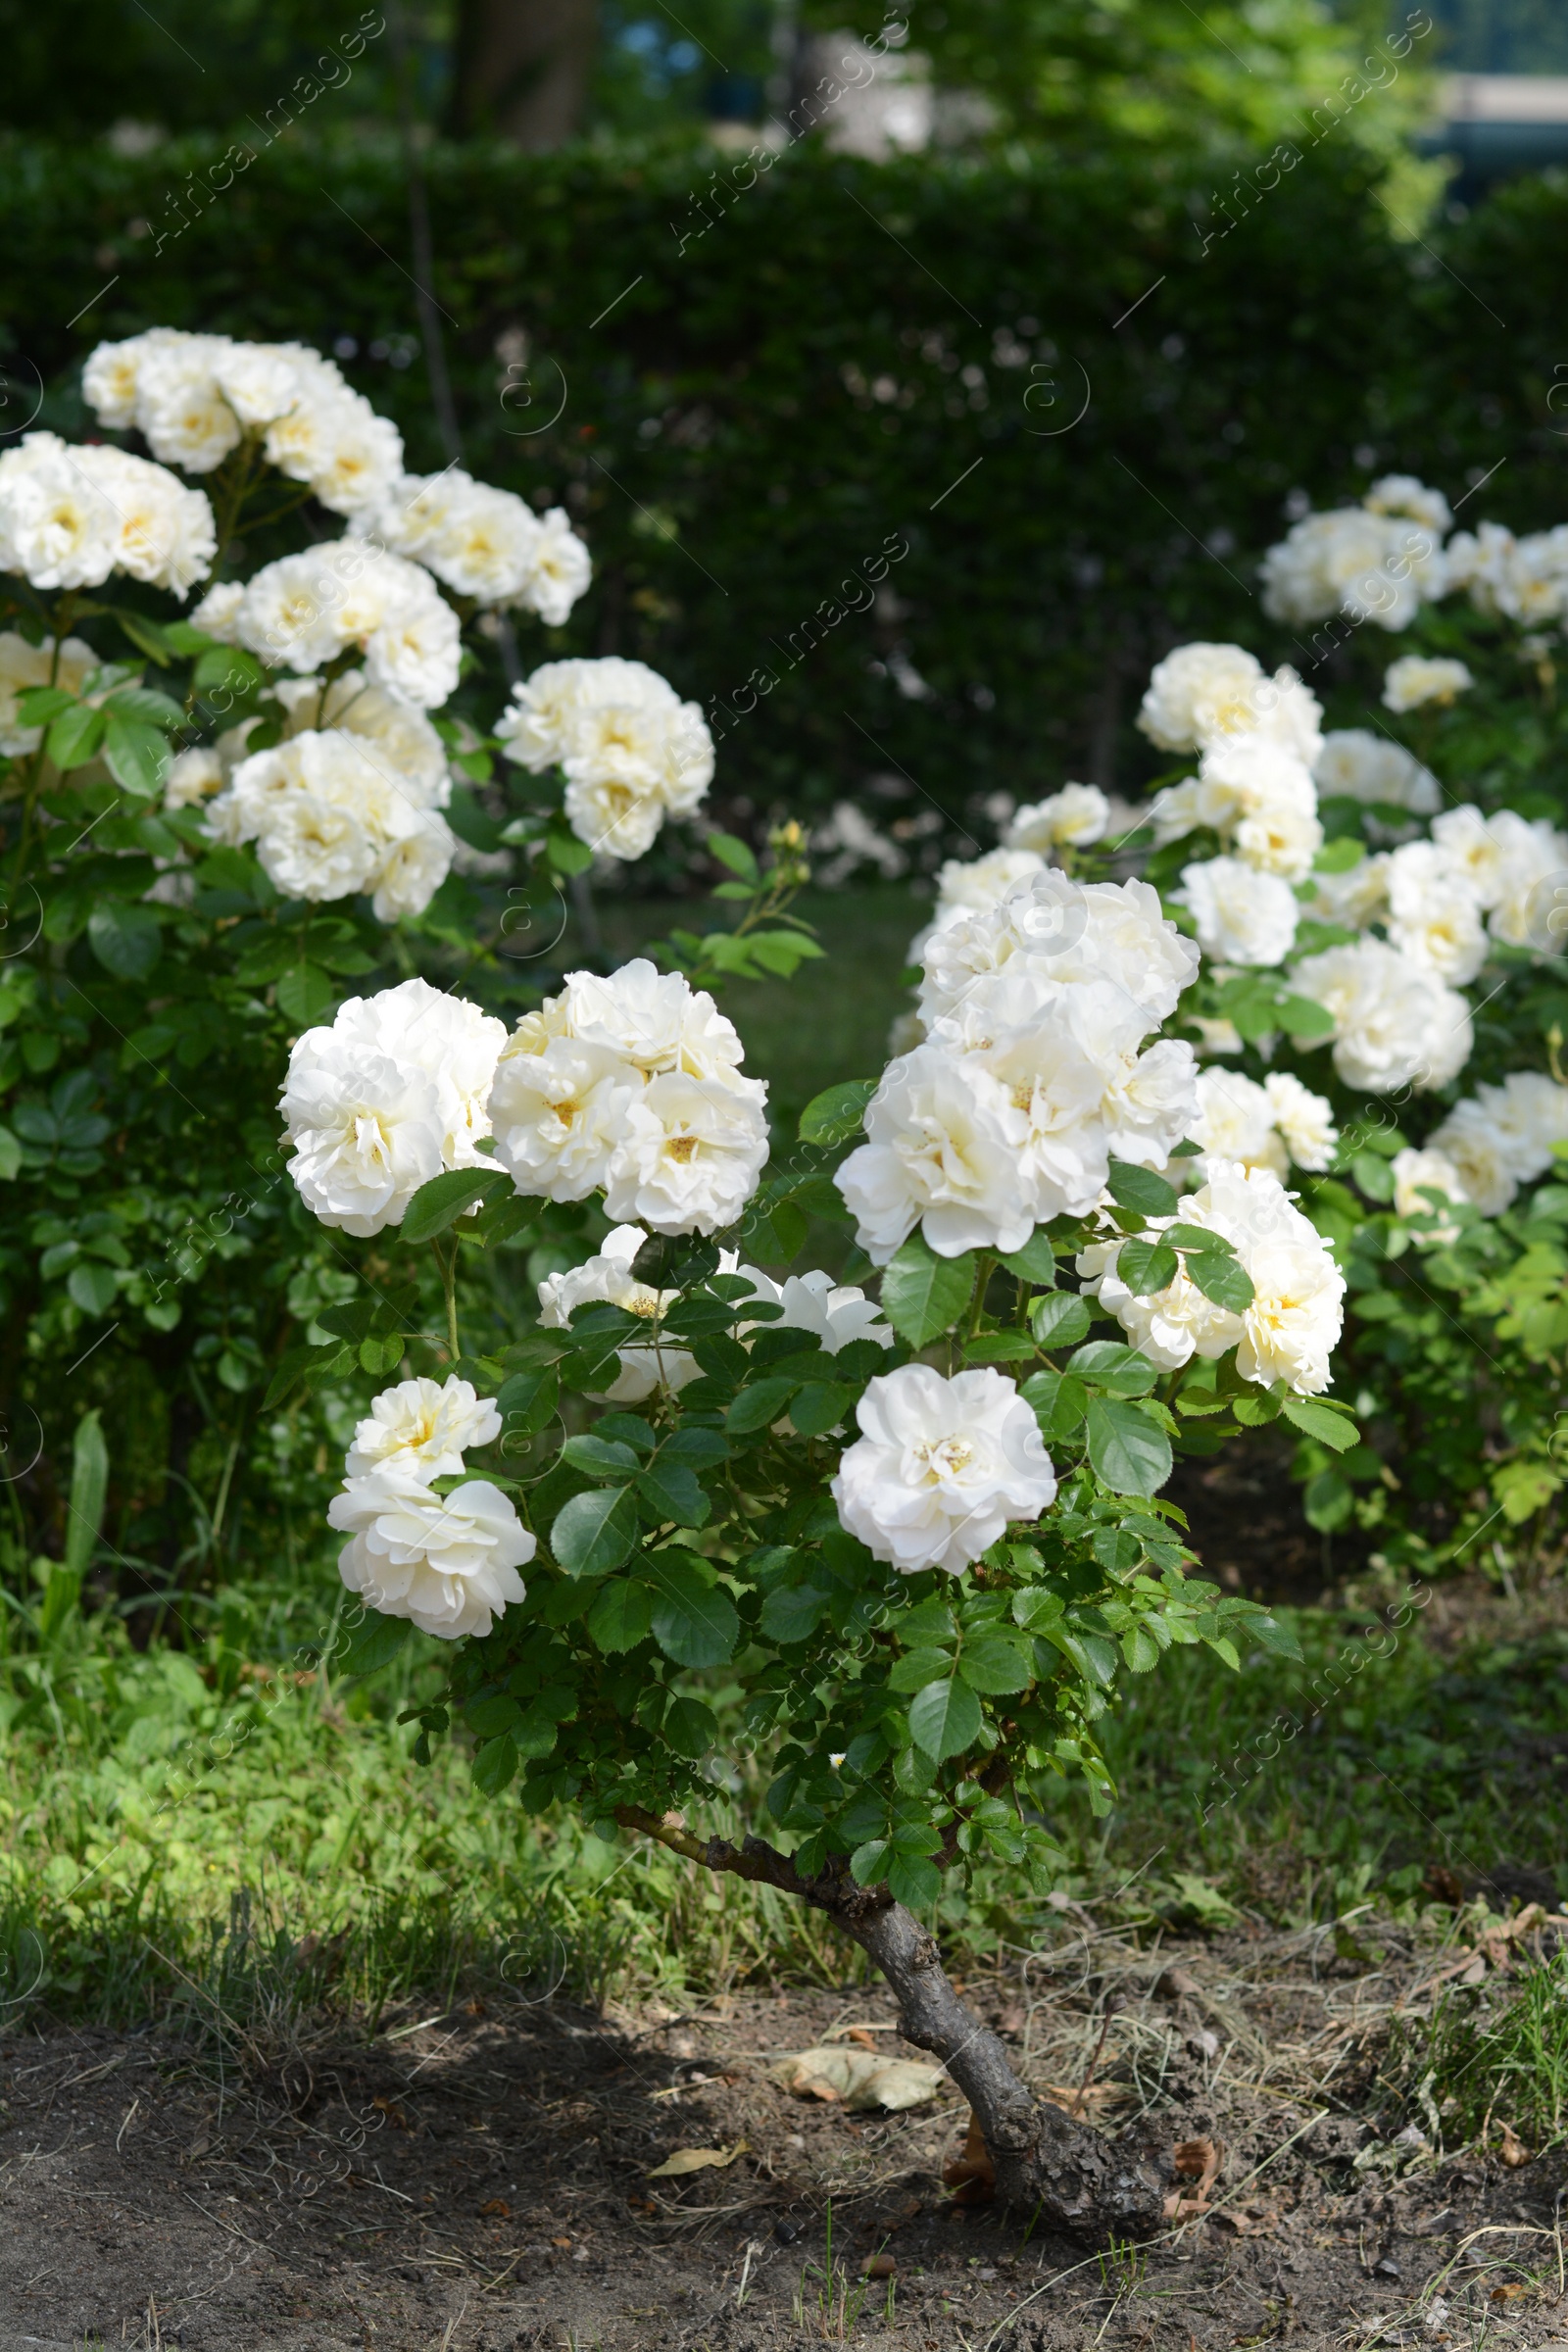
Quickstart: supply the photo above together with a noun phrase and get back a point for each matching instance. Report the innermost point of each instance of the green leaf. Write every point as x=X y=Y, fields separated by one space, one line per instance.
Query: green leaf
x=92 y=1287
x=527 y=1403
x=868 y=1862
x=594 y=1532
x=914 y=1880
x=1301 y=1016
x=1111 y=1364
x=735 y=855
x=836 y=1113
x=923 y=1295
x=1000 y=1347
x=945 y=1720
x=10 y=1157
x=1058 y=1402
x=1223 y=1278
x=495 y=1764
x=1334 y=1429
x=489 y=1717
x=820 y=1407
x=75 y=735
x=1146 y=1265
x=443 y=1201
x=306 y=996
x=373 y=1645
x=137 y=754
x=694 y=1622
x=1141 y=1190
x=917 y=1667
x=690 y=1727
x=1281 y=1639
x=600 y=1458
x=674 y=1494
x=125 y=937
x=620 y=1615
x=993 y=1663
x=1139 y=1649
x=760 y=1406
x=1060 y=1321
x=1130 y=1453
x=792 y=1612
x=565 y=852
x=1035 y=1262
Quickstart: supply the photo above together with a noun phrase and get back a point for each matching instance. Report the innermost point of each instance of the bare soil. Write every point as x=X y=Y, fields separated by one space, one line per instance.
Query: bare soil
x=480 y=2181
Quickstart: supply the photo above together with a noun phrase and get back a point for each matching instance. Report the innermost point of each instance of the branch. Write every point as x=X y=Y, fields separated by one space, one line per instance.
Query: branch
x=832 y=1889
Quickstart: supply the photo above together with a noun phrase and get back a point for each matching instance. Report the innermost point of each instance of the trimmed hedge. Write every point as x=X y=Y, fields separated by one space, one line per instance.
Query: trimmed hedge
x=850 y=360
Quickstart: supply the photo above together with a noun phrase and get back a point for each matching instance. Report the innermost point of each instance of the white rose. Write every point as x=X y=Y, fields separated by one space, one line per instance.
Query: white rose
x=365 y=1130
x=655 y=1020
x=1242 y=915
x=1297 y=1313
x=1395 y=1022
x=167 y=535
x=561 y=570
x=1405 y=494
x=690 y=1153
x=181 y=412
x=1169 y=1326
x=1235 y=1122
x=448 y=1040
x=944 y=1152
x=1262 y=797
x=424 y=1427
x=1413 y=681
x=449 y=1565
x=313 y=848
x=614 y=818
x=402 y=739
x=108 y=378
x=1218 y=680
x=1371 y=567
x=193 y=776
x=57 y=530
x=1417 y=1173
x=1072 y=818
x=1531 y=909
x=557 y=1112
x=1305 y=1121
x=1470 y=844
x=407 y=876
x=608 y=1275
x=941 y=1468
x=1470 y=1141
x=217 y=614
x=1053 y=932
x=1434 y=917
x=1353 y=898
x=258 y=381
x=1529 y=1112
x=833 y=1312
x=1357 y=764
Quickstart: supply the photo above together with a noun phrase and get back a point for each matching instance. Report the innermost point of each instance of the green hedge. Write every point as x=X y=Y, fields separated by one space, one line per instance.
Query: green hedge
x=766 y=410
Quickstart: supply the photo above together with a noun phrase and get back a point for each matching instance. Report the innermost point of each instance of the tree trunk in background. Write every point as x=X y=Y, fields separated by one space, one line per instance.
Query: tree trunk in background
x=523 y=69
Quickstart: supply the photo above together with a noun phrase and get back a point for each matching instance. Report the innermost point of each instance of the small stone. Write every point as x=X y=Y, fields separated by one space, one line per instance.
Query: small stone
x=1388 y=2268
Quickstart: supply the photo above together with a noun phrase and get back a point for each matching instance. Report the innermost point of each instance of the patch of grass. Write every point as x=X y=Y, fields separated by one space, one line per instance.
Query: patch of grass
x=1479 y=2063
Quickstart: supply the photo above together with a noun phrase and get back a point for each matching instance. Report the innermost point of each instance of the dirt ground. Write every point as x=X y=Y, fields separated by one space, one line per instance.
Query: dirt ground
x=478 y=2182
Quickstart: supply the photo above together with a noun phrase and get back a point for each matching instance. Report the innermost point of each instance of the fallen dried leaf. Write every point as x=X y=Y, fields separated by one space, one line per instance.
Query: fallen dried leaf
x=1506 y=2294
x=973 y=2176
x=1175 y=1983
x=858 y=2033
x=1197 y=2160
x=393 y=2113
x=878 y=2266
x=497 y=2206
x=560 y=2241
x=1513 y=2151
x=695 y=2160
x=858 y=2077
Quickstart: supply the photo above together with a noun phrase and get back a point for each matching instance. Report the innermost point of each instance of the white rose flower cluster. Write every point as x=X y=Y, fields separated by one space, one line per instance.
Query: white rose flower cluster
x=632 y=751
x=193 y=399
x=1413 y=681
x=1294 y=1322
x=1357 y=765
x=1265 y=1126
x=1523 y=579
x=304 y=611
x=487 y=544
x=964 y=886
x=1034 y=1072
x=631 y=1086
x=447 y=1563
x=70 y=516
x=1259 y=737
x=391 y=1094
x=1492 y=1143
x=835 y=1313
x=1073 y=819
x=1380 y=560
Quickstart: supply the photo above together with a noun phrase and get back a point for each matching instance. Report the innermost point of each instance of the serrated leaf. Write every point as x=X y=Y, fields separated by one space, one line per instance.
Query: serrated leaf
x=923 y=1295
x=126 y=938
x=594 y=1532
x=792 y=1612
x=917 y=1667
x=1130 y=1454
x=1319 y=1421
x=914 y=1880
x=1035 y=1262
x=868 y=1862
x=944 y=1718
x=994 y=1664
x=735 y=855
x=694 y=1622
x=137 y=755
x=438 y=1204
x=1223 y=1278
x=600 y=1458
x=690 y=1727
x=528 y=1400
x=620 y=1615
x=673 y=1491
x=820 y=1407
x=760 y=1406
x=495 y=1764
x=75 y=736
x=1000 y=1347
x=1059 y=1320
x=306 y=995
x=1141 y=1190
x=1146 y=1265
x=1111 y=1365
x=836 y=1113
x=373 y=1645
